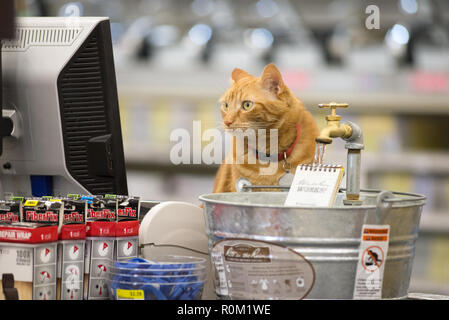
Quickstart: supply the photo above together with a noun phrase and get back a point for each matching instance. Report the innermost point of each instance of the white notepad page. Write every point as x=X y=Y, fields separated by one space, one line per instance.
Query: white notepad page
x=315 y=185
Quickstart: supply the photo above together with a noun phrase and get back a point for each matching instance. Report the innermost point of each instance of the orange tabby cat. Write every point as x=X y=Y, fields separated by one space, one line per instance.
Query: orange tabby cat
x=265 y=102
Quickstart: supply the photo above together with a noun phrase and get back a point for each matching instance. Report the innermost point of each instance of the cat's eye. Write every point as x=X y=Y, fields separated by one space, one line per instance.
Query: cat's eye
x=225 y=105
x=246 y=105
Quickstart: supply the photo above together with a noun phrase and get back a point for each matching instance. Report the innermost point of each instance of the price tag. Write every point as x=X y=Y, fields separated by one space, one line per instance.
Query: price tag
x=130 y=294
x=31 y=203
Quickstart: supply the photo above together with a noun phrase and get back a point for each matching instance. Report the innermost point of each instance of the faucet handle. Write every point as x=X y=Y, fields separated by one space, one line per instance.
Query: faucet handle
x=333 y=106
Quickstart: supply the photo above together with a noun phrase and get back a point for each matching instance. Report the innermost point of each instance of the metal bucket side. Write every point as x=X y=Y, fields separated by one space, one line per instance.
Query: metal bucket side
x=328 y=237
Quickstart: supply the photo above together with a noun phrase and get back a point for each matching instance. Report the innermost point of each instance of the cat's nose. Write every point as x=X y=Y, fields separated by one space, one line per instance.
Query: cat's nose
x=228 y=122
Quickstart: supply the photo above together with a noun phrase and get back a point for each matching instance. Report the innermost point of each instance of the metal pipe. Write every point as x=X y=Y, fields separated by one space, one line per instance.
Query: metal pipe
x=354 y=144
x=355 y=140
x=353 y=175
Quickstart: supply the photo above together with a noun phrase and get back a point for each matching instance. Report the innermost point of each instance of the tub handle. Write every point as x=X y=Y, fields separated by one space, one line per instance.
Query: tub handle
x=405 y=196
x=266 y=187
x=383 y=206
x=244 y=185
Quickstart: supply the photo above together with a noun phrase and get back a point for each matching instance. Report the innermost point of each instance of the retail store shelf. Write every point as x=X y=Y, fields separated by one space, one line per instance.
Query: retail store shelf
x=135 y=153
x=434 y=222
x=389 y=103
x=311 y=87
x=413 y=162
x=147 y=160
x=424 y=285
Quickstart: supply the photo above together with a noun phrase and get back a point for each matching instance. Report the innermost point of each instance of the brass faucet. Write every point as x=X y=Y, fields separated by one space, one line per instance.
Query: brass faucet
x=334 y=129
x=352 y=134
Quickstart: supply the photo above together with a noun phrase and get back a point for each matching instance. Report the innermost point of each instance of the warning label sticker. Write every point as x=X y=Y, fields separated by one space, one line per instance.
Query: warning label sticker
x=371 y=262
x=250 y=269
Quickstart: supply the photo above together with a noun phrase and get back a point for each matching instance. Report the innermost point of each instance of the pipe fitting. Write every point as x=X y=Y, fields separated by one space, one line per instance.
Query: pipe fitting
x=355 y=140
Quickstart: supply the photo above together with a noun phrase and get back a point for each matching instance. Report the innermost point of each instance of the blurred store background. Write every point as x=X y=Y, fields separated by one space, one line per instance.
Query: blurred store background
x=174 y=58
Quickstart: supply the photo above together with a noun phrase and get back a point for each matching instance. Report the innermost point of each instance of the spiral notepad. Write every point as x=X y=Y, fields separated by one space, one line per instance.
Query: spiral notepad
x=315 y=185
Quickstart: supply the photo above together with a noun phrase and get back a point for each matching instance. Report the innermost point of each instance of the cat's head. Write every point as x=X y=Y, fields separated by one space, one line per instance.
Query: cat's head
x=255 y=102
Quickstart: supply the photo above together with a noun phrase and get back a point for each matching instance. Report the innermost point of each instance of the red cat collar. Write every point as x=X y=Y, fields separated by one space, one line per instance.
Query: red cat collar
x=285 y=154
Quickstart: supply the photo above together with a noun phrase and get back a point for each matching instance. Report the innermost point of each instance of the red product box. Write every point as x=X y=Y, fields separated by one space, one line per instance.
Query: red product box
x=28 y=251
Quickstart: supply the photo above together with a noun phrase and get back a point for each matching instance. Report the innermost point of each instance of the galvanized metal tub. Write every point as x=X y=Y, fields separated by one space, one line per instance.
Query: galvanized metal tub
x=328 y=237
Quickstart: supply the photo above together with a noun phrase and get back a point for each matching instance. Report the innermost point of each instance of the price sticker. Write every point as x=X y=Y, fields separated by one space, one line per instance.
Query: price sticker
x=130 y=294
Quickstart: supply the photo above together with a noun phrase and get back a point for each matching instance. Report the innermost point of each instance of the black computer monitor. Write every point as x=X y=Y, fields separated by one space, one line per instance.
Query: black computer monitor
x=59 y=89
x=6 y=32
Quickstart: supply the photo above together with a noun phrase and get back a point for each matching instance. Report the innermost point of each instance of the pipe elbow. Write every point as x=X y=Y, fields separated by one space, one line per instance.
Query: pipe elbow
x=355 y=140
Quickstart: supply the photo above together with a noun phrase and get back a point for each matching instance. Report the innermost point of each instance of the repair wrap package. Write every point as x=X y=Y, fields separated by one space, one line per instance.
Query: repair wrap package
x=127 y=231
x=29 y=252
x=10 y=211
x=72 y=240
x=112 y=234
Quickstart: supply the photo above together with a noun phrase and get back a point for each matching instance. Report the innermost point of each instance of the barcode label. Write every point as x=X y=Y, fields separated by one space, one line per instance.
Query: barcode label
x=23 y=257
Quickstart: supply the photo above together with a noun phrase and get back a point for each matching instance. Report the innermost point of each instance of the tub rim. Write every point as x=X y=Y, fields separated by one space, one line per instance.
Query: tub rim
x=412 y=197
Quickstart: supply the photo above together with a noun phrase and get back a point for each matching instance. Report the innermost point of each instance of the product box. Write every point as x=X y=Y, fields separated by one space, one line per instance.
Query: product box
x=128 y=207
x=29 y=252
x=127 y=229
x=43 y=212
x=40 y=210
x=100 y=245
x=71 y=248
x=112 y=228
x=10 y=211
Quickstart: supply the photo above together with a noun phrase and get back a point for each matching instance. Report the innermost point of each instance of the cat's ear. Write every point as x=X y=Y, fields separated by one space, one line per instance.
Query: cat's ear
x=238 y=74
x=272 y=80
